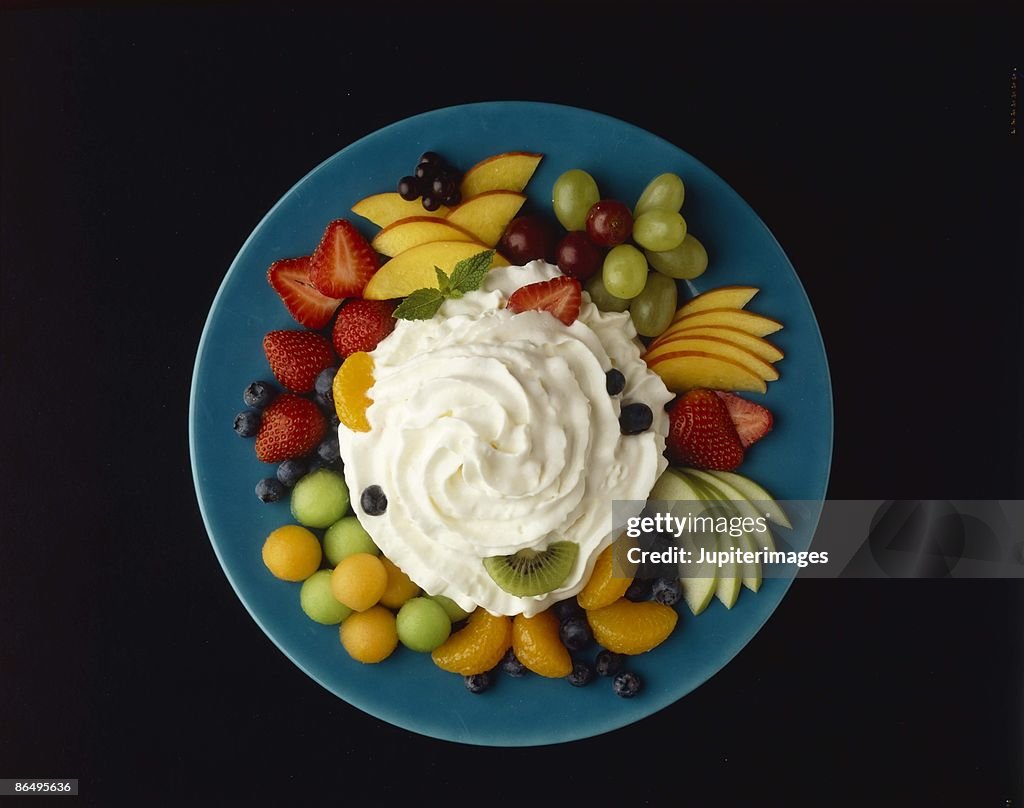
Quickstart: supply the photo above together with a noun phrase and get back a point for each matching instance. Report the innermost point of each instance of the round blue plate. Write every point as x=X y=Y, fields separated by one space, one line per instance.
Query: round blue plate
x=408 y=690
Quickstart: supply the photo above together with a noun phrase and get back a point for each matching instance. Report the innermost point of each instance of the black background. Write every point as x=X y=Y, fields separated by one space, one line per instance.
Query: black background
x=141 y=147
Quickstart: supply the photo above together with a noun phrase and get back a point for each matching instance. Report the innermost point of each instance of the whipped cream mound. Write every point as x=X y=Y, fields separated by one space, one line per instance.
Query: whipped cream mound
x=492 y=432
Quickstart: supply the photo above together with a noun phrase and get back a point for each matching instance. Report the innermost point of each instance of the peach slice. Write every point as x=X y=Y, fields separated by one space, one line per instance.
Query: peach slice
x=756 y=345
x=724 y=297
x=509 y=171
x=385 y=209
x=414 y=268
x=715 y=347
x=688 y=370
x=733 y=318
x=487 y=215
x=405 y=234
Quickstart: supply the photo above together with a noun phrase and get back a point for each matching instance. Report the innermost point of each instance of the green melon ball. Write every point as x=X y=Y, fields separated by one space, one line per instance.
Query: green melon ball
x=317 y=601
x=452 y=609
x=422 y=624
x=347 y=537
x=320 y=499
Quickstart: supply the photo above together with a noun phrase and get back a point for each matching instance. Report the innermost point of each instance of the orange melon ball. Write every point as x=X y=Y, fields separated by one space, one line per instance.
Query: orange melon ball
x=359 y=581
x=400 y=587
x=292 y=553
x=370 y=636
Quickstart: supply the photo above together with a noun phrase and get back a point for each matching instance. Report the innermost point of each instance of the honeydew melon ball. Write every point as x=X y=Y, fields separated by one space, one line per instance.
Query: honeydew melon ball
x=320 y=499
x=317 y=601
x=422 y=624
x=347 y=537
x=452 y=609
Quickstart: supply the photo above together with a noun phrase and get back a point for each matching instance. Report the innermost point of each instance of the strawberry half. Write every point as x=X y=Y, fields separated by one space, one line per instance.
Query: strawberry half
x=297 y=357
x=558 y=296
x=701 y=433
x=361 y=324
x=290 y=279
x=291 y=426
x=343 y=262
x=752 y=421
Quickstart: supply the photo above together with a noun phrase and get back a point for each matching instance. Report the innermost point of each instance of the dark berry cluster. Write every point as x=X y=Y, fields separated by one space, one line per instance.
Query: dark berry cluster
x=434 y=181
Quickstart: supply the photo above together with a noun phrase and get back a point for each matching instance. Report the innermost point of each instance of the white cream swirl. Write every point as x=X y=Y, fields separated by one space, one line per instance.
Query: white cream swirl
x=492 y=432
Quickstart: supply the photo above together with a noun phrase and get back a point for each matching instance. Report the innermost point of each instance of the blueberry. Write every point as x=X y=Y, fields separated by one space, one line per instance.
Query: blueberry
x=333 y=422
x=315 y=463
x=575 y=633
x=639 y=590
x=626 y=684
x=270 y=489
x=608 y=663
x=247 y=423
x=614 y=382
x=635 y=418
x=667 y=591
x=259 y=394
x=581 y=675
x=325 y=404
x=373 y=501
x=324 y=384
x=511 y=665
x=565 y=609
x=328 y=449
x=291 y=471
x=478 y=682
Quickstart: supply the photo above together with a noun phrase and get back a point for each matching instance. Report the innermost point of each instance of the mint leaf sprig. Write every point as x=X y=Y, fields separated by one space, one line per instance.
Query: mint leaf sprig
x=467 y=276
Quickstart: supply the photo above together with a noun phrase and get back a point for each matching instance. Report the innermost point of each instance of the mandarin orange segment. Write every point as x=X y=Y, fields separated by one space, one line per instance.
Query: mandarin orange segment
x=476 y=648
x=603 y=588
x=351 y=385
x=537 y=645
x=626 y=627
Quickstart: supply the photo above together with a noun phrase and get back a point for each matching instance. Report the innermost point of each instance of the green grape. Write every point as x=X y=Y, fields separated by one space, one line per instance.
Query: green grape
x=624 y=272
x=664 y=192
x=653 y=308
x=687 y=261
x=572 y=197
x=659 y=230
x=601 y=298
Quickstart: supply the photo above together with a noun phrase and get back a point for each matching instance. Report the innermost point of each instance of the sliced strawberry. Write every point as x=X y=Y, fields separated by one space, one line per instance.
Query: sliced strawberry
x=701 y=433
x=343 y=262
x=558 y=296
x=752 y=421
x=291 y=426
x=290 y=279
x=361 y=324
x=297 y=357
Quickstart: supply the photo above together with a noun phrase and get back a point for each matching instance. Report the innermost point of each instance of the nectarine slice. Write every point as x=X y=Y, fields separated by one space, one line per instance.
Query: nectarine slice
x=414 y=268
x=733 y=318
x=715 y=347
x=689 y=370
x=487 y=215
x=724 y=297
x=759 y=347
x=510 y=171
x=405 y=234
x=385 y=209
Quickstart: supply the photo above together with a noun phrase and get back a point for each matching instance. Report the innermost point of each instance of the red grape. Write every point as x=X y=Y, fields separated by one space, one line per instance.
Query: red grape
x=528 y=238
x=609 y=222
x=577 y=256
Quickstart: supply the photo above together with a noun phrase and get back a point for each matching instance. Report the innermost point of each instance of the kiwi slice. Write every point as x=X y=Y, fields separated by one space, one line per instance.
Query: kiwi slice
x=533 y=572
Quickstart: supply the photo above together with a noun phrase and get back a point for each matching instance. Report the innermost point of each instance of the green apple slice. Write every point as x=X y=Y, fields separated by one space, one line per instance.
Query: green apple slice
x=729 y=578
x=672 y=486
x=741 y=505
x=754 y=492
x=699 y=579
x=752 y=575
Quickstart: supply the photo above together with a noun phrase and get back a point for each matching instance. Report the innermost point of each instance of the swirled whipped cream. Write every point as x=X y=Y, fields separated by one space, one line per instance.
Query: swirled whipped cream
x=491 y=432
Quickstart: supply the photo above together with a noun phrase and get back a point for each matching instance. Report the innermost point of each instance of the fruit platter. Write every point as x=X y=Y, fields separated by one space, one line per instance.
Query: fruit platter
x=433 y=368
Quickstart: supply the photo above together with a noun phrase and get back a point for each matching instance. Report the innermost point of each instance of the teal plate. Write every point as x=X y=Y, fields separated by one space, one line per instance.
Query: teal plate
x=408 y=690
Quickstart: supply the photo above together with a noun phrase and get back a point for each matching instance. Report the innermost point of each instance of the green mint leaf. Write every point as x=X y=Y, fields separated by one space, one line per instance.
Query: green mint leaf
x=469 y=274
x=420 y=305
x=443 y=281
